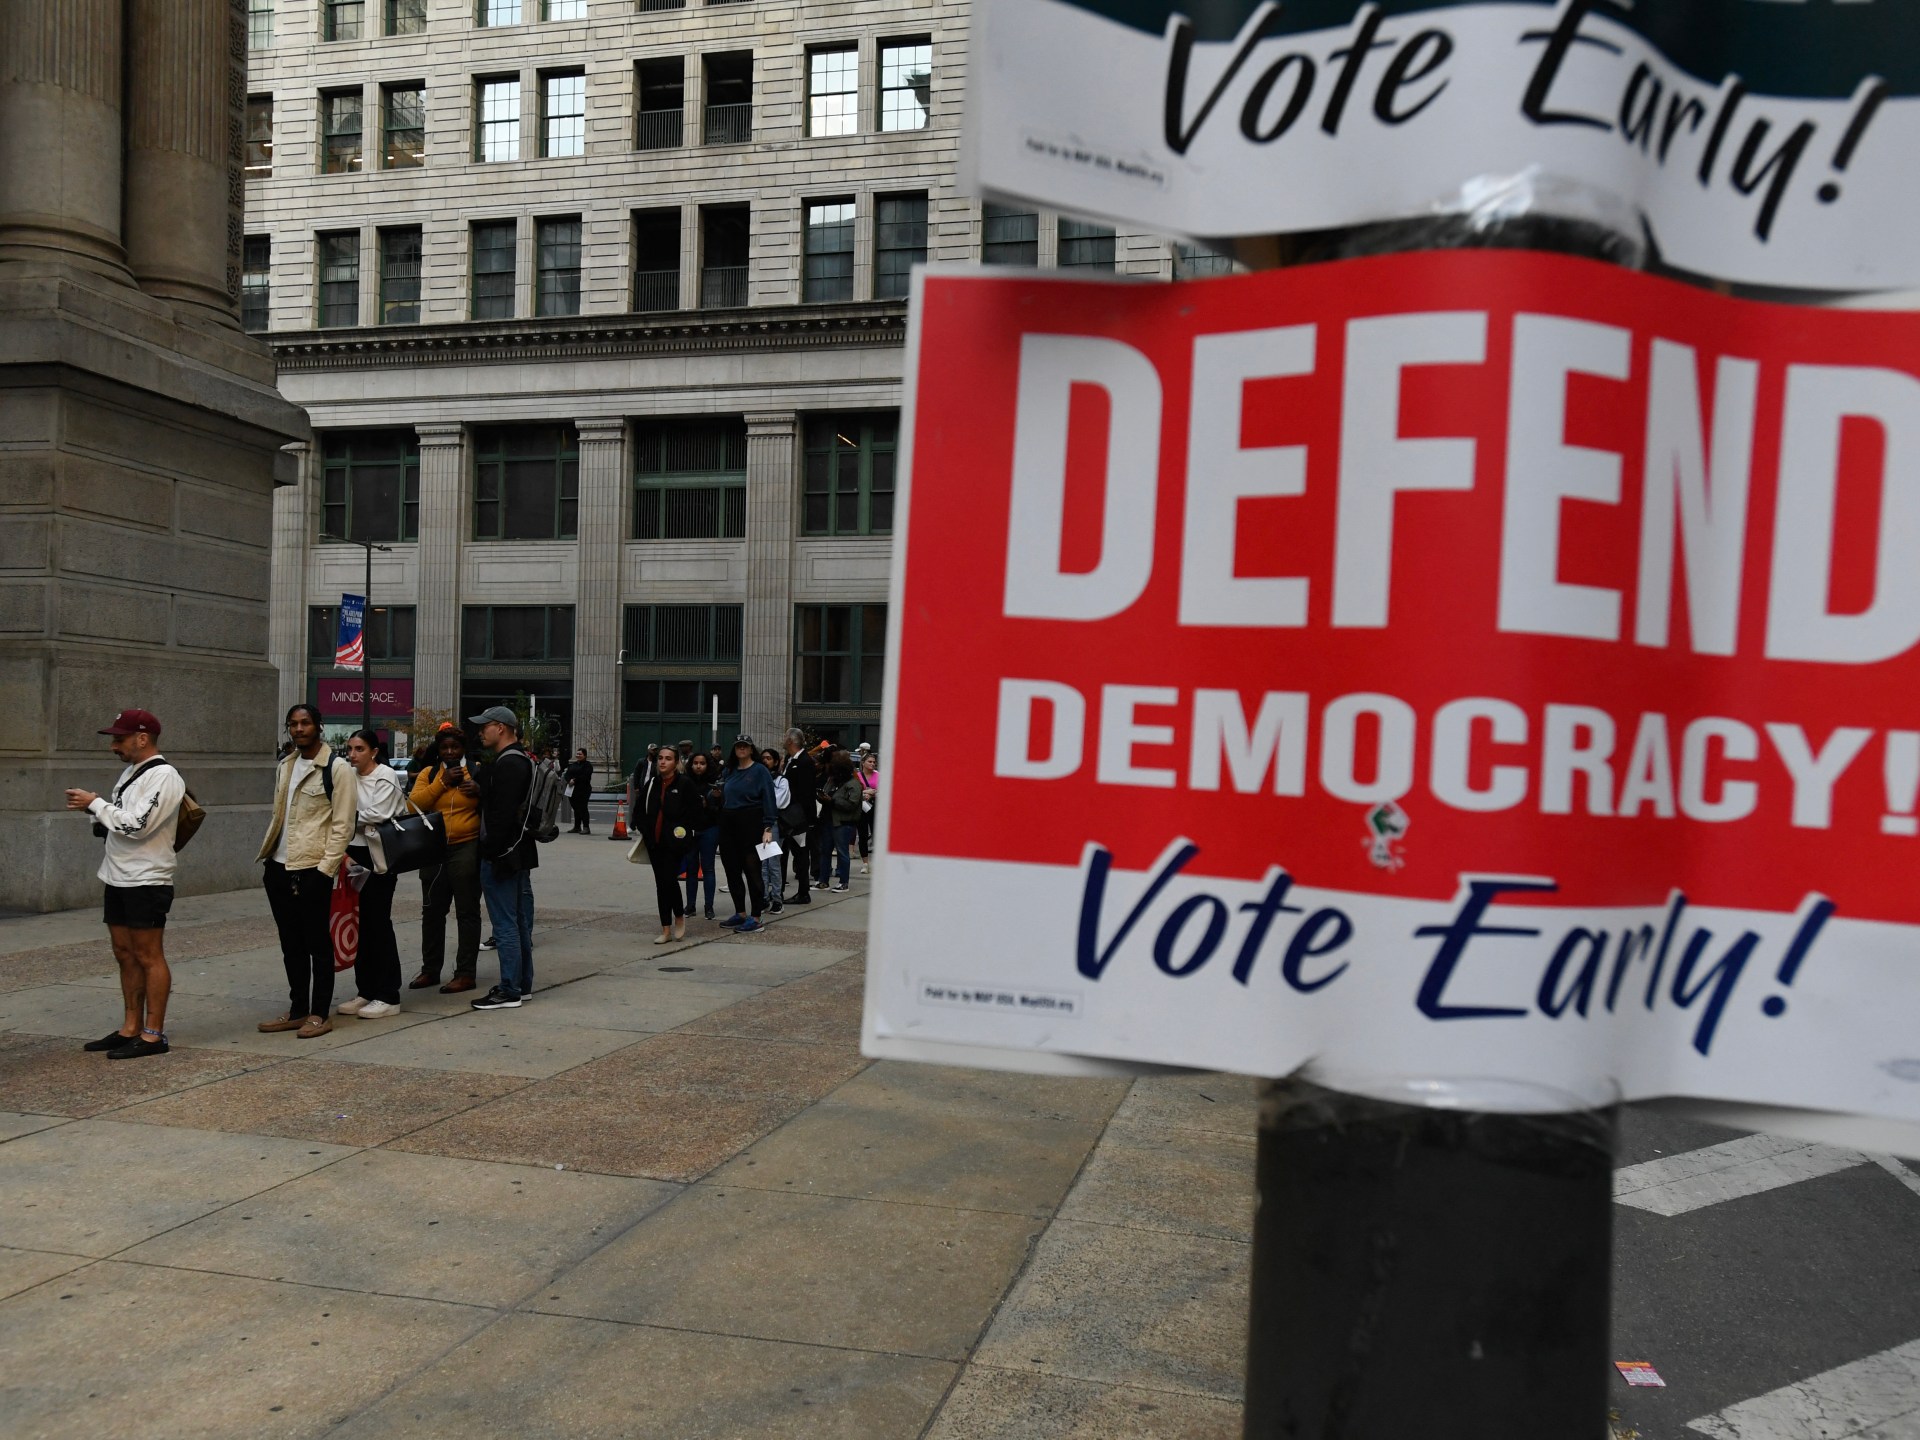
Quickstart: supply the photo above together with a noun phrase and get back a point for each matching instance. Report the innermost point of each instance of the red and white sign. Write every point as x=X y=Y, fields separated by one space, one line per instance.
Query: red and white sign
x=340 y=699
x=1447 y=665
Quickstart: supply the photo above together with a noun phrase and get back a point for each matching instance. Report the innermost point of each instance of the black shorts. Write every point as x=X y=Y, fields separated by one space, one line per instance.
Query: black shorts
x=139 y=907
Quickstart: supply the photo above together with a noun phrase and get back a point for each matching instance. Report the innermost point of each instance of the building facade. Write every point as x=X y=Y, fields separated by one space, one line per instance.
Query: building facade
x=598 y=310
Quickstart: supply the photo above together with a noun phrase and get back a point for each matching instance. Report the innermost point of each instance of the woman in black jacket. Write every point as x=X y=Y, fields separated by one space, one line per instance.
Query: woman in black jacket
x=675 y=812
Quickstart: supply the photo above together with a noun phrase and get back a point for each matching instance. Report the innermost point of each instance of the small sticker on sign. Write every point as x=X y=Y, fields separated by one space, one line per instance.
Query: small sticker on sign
x=1639 y=1372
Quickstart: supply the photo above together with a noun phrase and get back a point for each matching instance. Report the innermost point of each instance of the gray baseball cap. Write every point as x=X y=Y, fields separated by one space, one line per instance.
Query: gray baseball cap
x=496 y=715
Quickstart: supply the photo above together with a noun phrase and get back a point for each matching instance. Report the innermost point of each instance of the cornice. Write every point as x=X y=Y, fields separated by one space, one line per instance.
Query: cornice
x=596 y=337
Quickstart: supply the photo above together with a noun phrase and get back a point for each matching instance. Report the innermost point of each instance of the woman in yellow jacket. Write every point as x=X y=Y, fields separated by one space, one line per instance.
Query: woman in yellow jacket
x=447 y=788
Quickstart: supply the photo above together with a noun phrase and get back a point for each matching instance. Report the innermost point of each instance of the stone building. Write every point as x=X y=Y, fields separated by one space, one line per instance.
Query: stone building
x=597 y=307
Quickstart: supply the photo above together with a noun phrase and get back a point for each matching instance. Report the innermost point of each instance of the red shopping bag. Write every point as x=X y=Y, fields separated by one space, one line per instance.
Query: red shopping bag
x=344 y=919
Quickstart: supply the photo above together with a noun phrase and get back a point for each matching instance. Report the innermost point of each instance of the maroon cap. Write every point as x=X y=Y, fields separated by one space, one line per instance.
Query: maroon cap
x=132 y=722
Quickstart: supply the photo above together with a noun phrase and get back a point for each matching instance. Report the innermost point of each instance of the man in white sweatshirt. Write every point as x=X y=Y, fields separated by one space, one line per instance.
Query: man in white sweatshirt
x=138 y=821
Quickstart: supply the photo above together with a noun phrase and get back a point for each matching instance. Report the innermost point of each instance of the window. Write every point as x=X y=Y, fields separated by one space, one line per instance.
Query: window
x=516 y=632
x=563 y=114
x=1190 y=262
x=688 y=634
x=1084 y=243
x=1009 y=236
x=906 y=84
x=833 y=91
x=664 y=712
x=259 y=144
x=386 y=632
x=729 y=99
x=690 y=480
x=828 y=273
x=724 y=232
x=256 y=257
x=400 y=276
x=495 y=247
x=340 y=128
x=499 y=12
x=656 y=260
x=663 y=4
x=259 y=24
x=558 y=274
x=406 y=126
x=370 y=486
x=849 y=474
x=340 y=278
x=899 y=243
x=406 y=17
x=683 y=661
x=663 y=93
x=563 y=10
x=526 y=483
x=840 y=654
x=499 y=111
x=345 y=19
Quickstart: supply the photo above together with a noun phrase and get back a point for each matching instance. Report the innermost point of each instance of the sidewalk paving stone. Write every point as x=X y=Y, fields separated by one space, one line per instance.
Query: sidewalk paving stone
x=13 y=1126
x=418 y=1225
x=591 y=1380
x=488 y=1044
x=98 y=1186
x=1194 y=1182
x=327 y=1100
x=1227 y=1104
x=742 y=964
x=991 y=1404
x=203 y=1022
x=133 y=1349
x=824 y=1006
x=644 y=1003
x=24 y=1269
x=52 y=1075
x=863 y=1274
x=944 y=1089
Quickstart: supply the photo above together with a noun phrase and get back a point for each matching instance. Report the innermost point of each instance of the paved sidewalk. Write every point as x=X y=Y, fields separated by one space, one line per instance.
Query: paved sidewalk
x=667 y=1198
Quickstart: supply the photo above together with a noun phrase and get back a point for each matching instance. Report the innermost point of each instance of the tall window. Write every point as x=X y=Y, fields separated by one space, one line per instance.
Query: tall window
x=370 y=485
x=259 y=152
x=1191 y=262
x=400 y=276
x=729 y=99
x=405 y=123
x=660 y=122
x=693 y=634
x=259 y=24
x=340 y=278
x=256 y=257
x=724 y=239
x=840 y=654
x=1086 y=244
x=563 y=9
x=526 y=483
x=1009 y=236
x=849 y=474
x=516 y=632
x=495 y=245
x=386 y=632
x=683 y=662
x=899 y=243
x=499 y=112
x=906 y=84
x=690 y=480
x=406 y=17
x=829 y=251
x=558 y=272
x=656 y=259
x=499 y=12
x=563 y=114
x=833 y=91
x=340 y=125
x=345 y=19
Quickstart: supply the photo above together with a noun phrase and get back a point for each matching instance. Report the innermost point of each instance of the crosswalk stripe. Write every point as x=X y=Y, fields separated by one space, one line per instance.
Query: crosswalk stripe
x=1877 y=1398
x=1750 y=1165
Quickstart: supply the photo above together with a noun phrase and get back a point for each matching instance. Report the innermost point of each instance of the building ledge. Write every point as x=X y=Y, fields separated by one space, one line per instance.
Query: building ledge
x=685 y=332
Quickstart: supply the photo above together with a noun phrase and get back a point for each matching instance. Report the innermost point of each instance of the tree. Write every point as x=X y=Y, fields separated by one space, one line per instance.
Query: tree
x=598 y=731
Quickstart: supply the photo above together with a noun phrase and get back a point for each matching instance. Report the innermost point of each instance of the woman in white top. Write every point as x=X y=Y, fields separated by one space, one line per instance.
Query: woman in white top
x=376 y=969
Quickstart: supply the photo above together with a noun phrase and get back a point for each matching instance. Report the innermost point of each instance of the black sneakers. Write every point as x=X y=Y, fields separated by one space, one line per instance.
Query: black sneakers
x=497 y=999
x=138 y=1047
x=112 y=1040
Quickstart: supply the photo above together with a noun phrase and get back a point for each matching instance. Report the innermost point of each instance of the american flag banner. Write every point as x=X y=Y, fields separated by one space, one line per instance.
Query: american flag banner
x=350 y=648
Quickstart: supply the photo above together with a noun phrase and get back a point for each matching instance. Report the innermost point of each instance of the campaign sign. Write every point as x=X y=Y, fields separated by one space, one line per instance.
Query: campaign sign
x=1762 y=141
x=349 y=651
x=1458 y=664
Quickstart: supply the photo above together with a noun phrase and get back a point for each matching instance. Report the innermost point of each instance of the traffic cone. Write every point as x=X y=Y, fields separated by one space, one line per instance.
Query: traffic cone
x=619 y=821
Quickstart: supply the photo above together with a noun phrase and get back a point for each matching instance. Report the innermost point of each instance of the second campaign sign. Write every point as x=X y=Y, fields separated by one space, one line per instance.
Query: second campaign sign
x=1453 y=664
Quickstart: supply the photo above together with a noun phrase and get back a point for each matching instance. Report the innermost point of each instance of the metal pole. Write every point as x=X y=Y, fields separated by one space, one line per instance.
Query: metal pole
x=366 y=646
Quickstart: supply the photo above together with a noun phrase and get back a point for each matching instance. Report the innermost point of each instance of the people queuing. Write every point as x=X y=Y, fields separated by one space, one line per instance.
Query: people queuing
x=579 y=781
x=869 y=777
x=315 y=812
x=378 y=796
x=748 y=816
x=700 y=865
x=773 y=869
x=844 y=805
x=671 y=825
x=509 y=855
x=802 y=813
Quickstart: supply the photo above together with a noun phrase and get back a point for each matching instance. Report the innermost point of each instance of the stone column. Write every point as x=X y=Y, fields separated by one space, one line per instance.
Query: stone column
x=443 y=523
x=293 y=530
x=596 y=613
x=766 y=661
x=60 y=121
x=186 y=99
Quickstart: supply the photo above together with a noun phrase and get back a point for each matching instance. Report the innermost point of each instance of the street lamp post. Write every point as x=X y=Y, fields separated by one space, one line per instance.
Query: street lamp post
x=366 y=650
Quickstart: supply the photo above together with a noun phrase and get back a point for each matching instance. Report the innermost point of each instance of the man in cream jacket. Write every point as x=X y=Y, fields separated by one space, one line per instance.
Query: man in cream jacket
x=315 y=797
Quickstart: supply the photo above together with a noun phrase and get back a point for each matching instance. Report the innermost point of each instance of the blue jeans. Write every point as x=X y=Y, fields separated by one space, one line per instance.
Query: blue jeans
x=702 y=860
x=842 y=843
x=510 y=907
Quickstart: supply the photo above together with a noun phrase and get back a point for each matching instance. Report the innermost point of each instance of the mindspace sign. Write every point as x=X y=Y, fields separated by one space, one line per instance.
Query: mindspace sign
x=1446 y=665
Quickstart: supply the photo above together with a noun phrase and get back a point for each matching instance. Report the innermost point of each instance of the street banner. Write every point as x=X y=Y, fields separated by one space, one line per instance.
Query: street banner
x=1455 y=664
x=1755 y=140
x=341 y=699
x=349 y=651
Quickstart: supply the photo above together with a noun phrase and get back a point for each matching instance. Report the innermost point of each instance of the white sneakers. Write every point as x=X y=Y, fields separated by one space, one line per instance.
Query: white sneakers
x=367 y=1009
x=353 y=1006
